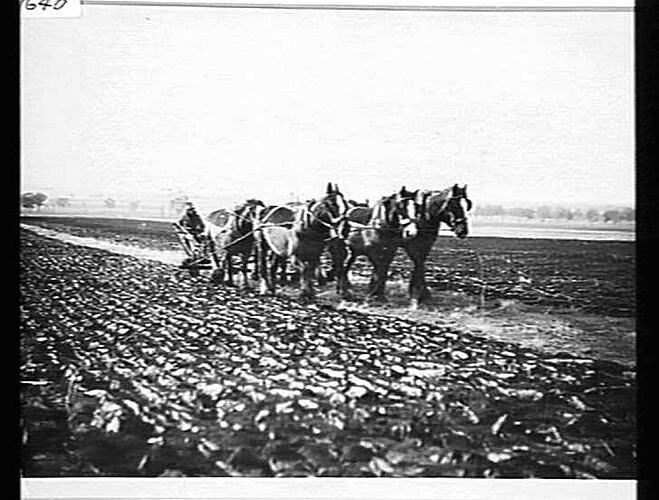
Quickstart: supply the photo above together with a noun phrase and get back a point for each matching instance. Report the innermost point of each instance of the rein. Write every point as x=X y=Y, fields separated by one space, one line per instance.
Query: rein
x=259 y=225
x=479 y=259
x=443 y=209
x=358 y=226
x=333 y=228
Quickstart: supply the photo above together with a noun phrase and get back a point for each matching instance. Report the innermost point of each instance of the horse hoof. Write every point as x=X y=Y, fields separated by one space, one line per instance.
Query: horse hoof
x=414 y=304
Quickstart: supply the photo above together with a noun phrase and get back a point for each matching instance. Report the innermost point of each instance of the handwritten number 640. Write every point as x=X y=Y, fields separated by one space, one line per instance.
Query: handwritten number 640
x=31 y=4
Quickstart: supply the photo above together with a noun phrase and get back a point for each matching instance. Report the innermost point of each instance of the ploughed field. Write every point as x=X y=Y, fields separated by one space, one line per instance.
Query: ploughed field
x=595 y=277
x=129 y=368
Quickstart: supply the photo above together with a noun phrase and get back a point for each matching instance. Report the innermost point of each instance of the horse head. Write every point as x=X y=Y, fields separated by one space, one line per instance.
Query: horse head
x=455 y=212
x=335 y=203
x=244 y=215
x=397 y=212
x=406 y=210
x=329 y=211
x=449 y=206
x=253 y=208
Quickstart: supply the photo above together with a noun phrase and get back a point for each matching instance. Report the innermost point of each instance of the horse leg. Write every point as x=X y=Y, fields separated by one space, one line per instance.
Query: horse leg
x=283 y=269
x=338 y=253
x=295 y=277
x=381 y=263
x=418 y=289
x=228 y=263
x=339 y=250
x=372 y=283
x=244 y=256
x=255 y=272
x=261 y=259
x=307 y=270
x=217 y=273
x=343 y=282
x=273 y=262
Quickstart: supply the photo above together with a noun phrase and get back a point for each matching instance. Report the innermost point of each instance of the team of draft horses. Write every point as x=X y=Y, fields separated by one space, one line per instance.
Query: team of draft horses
x=300 y=233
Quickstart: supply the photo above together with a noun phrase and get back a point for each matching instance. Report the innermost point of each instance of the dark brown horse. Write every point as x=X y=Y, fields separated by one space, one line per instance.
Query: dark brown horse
x=300 y=233
x=448 y=206
x=232 y=234
x=431 y=208
x=376 y=232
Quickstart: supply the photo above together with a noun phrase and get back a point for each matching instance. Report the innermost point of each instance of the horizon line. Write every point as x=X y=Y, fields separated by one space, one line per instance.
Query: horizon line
x=508 y=203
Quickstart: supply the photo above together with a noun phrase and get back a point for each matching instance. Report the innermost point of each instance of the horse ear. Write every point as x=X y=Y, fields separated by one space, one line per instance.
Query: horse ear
x=336 y=188
x=329 y=188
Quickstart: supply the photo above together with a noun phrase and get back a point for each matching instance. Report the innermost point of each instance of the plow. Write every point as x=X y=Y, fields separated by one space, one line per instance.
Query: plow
x=199 y=250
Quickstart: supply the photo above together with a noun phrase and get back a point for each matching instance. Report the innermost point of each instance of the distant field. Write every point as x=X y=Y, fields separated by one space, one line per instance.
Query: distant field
x=507 y=227
x=581 y=225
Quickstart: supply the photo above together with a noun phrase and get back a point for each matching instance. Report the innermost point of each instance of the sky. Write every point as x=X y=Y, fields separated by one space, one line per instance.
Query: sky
x=139 y=102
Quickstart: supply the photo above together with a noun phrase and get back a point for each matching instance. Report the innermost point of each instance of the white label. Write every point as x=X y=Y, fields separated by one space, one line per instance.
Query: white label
x=50 y=8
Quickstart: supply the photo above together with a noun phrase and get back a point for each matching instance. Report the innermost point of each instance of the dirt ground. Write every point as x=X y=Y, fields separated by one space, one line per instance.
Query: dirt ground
x=130 y=367
x=601 y=274
x=545 y=328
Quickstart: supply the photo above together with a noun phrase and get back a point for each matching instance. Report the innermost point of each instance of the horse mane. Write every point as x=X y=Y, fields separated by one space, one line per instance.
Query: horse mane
x=301 y=213
x=252 y=202
x=382 y=211
x=218 y=217
x=440 y=198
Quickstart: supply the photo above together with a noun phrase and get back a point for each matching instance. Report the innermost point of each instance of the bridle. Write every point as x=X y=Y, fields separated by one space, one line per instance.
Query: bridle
x=408 y=220
x=333 y=226
x=454 y=221
x=251 y=218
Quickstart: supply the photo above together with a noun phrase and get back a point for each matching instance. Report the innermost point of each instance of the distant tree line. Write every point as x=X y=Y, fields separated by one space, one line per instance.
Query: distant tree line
x=547 y=212
x=38 y=200
x=33 y=200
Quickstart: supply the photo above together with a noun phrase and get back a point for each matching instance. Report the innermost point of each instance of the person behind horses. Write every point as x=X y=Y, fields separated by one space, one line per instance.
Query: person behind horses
x=192 y=222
